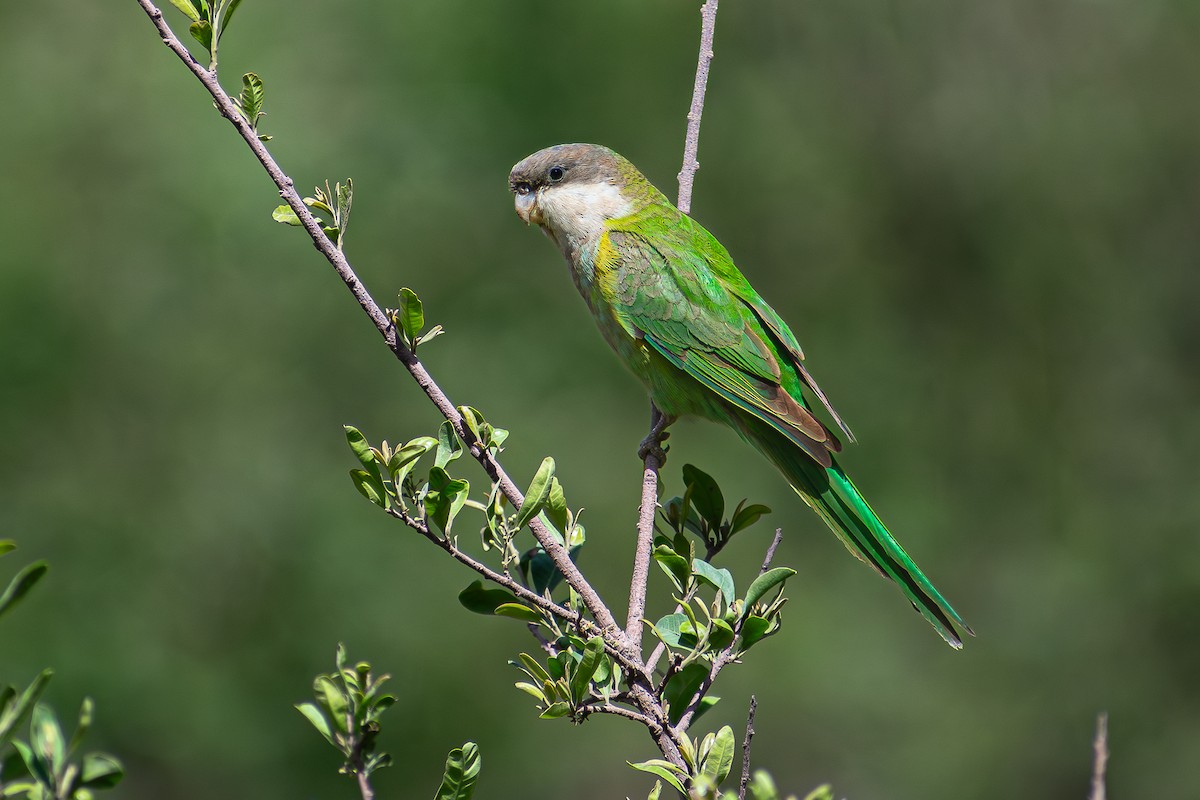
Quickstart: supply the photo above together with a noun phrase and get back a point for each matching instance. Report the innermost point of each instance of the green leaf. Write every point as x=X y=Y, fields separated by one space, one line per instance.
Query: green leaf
x=762 y=787
x=556 y=508
x=449 y=447
x=720 y=758
x=535 y=670
x=202 y=32
x=462 y=772
x=13 y=711
x=655 y=792
x=7 y=546
x=822 y=792
x=46 y=738
x=682 y=687
x=285 y=215
x=753 y=631
x=585 y=670
x=720 y=635
x=536 y=495
x=318 y=720
x=445 y=498
x=556 y=711
x=745 y=517
x=87 y=711
x=674 y=565
x=485 y=601
x=232 y=7
x=531 y=690
x=663 y=769
x=412 y=314
x=670 y=629
x=345 y=198
x=187 y=8
x=251 y=98
x=720 y=579
x=765 y=583
x=432 y=333
x=333 y=700
x=518 y=611
x=369 y=487
x=33 y=762
x=21 y=583
x=358 y=443
x=101 y=771
x=405 y=458
x=706 y=495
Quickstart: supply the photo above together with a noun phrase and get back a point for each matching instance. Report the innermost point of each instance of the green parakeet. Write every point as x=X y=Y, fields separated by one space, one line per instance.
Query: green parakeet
x=670 y=302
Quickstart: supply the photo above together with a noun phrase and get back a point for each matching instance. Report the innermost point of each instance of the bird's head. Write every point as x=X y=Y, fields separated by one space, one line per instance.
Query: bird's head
x=571 y=190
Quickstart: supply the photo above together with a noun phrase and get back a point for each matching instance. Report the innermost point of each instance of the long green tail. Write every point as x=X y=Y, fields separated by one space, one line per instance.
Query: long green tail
x=831 y=494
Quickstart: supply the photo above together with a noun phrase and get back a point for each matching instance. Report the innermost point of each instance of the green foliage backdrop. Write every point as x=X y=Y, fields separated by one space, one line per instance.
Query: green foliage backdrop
x=982 y=220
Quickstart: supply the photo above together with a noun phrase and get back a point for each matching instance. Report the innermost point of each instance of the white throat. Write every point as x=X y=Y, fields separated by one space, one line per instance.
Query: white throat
x=576 y=214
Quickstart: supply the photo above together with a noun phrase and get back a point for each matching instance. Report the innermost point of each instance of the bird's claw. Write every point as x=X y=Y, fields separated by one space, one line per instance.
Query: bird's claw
x=652 y=445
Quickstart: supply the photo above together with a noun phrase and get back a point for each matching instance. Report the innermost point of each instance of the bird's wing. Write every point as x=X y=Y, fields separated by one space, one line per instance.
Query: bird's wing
x=720 y=262
x=665 y=292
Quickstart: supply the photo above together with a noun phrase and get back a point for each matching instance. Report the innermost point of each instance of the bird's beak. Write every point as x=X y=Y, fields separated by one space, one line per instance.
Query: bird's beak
x=527 y=208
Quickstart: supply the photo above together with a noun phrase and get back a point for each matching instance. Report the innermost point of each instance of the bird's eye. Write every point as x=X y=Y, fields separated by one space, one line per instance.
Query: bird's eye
x=556 y=174
x=523 y=188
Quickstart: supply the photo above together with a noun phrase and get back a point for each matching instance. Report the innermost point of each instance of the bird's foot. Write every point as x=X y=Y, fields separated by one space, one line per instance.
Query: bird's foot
x=653 y=443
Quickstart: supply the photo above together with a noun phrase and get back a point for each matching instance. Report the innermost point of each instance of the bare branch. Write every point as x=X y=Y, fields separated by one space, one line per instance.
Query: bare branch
x=770 y=556
x=746 y=748
x=687 y=175
x=653 y=458
x=556 y=551
x=1100 y=764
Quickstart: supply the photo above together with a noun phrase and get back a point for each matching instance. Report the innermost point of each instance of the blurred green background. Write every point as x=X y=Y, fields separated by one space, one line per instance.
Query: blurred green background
x=981 y=219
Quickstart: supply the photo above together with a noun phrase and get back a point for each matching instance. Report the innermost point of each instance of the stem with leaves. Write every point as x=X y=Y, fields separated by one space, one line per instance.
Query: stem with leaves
x=331 y=252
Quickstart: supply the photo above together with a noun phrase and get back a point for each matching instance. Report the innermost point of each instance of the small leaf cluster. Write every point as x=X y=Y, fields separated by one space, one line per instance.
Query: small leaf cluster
x=335 y=203
x=409 y=320
x=703 y=629
x=349 y=703
x=43 y=767
x=462 y=773
x=761 y=786
x=576 y=676
x=709 y=759
x=250 y=102
x=210 y=19
x=701 y=510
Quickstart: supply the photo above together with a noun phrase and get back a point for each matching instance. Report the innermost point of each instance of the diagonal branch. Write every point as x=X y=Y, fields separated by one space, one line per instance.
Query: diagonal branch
x=556 y=551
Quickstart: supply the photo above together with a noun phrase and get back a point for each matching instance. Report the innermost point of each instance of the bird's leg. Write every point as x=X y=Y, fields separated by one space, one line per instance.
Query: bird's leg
x=652 y=444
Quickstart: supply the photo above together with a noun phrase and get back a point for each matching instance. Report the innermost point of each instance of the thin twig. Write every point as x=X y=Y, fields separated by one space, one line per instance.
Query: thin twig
x=687 y=175
x=770 y=556
x=549 y=606
x=557 y=551
x=645 y=528
x=726 y=656
x=746 y=748
x=364 y=786
x=1100 y=764
x=627 y=713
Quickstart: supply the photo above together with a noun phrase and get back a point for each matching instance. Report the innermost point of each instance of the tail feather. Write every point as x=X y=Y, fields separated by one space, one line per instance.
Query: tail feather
x=830 y=493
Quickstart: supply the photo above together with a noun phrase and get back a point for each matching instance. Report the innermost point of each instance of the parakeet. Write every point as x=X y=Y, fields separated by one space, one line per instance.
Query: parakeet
x=670 y=302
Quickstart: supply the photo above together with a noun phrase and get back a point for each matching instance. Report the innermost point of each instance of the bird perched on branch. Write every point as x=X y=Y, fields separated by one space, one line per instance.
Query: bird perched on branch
x=670 y=302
